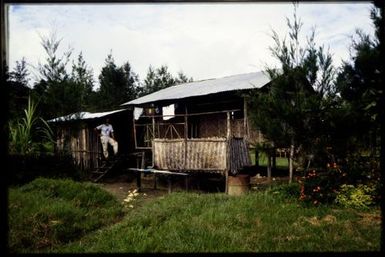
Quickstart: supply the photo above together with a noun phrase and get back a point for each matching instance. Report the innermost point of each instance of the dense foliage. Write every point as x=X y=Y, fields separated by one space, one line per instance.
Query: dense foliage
x=325 y=115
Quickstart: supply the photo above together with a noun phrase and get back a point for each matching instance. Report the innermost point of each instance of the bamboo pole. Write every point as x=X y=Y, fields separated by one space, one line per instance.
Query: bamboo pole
x=134 y=128
x=245 y=125
x=228 y=131
x=185 y=137
x=152 y=141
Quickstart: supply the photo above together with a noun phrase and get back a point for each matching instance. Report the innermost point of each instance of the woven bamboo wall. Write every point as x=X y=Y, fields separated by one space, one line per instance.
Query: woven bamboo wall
x=82 y=144
x=213 y=125
x=203 y=154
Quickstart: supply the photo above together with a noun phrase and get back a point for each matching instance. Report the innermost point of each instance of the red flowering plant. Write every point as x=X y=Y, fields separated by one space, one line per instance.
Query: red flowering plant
x=321 y=185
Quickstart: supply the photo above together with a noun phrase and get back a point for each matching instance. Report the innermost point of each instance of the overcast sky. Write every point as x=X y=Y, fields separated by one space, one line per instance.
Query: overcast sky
x=203 y=40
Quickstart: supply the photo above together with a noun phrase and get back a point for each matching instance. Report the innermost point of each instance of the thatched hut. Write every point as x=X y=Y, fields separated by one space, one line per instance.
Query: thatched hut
x=75 y=135
x=200 y=126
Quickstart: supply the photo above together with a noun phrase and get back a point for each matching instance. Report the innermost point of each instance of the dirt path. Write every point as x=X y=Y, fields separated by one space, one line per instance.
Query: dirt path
x=121 y=186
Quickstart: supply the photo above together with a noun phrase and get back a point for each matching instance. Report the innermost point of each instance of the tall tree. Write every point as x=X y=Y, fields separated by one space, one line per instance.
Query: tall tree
x=19 y=89
x=161 y=78
x=359 y=84
x=20 y=73
x=290 y=112
x=117 y=84
x=54 y=91
x=82 y=78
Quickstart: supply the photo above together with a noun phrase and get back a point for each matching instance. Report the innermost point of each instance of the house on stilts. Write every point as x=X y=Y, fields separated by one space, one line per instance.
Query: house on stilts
x=200 y=126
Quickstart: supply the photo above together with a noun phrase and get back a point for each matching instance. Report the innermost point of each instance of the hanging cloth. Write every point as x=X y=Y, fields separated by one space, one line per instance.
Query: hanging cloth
x=137 y=112
x=169 y=111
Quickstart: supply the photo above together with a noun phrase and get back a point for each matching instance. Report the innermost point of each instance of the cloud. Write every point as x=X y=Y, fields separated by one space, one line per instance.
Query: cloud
x=203 y=40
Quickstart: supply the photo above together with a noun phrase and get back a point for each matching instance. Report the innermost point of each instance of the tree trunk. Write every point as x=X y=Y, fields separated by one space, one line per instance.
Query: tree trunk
x=291 y=161
x=256 y=157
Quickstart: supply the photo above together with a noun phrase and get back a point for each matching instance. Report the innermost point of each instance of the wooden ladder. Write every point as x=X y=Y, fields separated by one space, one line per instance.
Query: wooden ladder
x=103 y=169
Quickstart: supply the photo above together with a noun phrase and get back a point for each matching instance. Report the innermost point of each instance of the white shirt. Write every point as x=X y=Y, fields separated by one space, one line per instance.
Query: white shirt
x=105 y=129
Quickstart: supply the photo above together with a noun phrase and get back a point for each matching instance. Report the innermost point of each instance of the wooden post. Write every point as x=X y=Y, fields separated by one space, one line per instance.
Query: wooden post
x=269 y=168
x=169 y=183
x=152 y=142
x=139 y=180
x=186 y=182
x=185 y=137
x=228 y=123
x=228 y=133
x=142 y=165
x=153 y=127
x=245 y=125
x=291 y=161
x=134 y=128
x=155 y=178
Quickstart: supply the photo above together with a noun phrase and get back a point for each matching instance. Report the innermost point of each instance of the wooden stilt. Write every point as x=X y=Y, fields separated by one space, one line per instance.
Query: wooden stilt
x=169 y=184
x=186 y=182
x=269 y=168
x=139 y=181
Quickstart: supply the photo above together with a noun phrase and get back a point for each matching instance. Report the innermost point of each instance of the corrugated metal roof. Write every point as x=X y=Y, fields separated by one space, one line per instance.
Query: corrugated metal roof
x=205 y=87
x=84 y=115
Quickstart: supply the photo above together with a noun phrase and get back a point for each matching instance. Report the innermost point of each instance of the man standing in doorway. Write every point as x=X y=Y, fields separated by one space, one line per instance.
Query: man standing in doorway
x=107 y=137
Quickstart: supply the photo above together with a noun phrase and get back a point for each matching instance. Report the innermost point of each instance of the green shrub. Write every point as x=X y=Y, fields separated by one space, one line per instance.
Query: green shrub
x=360 y=196
x=319 y=186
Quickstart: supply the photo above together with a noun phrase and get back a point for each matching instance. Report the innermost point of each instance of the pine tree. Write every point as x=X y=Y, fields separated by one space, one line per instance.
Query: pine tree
x=289 y=113
x=117 y=85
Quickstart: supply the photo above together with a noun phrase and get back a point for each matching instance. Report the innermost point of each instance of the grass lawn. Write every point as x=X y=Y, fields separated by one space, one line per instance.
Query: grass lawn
x=190 y=222
x=49 y=213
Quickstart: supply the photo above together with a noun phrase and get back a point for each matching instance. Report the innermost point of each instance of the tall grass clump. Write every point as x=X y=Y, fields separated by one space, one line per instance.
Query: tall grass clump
x=29 y=134
x=48 y=213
